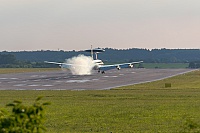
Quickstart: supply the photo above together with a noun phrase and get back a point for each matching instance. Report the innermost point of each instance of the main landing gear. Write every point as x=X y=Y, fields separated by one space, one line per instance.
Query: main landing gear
x=102 y=72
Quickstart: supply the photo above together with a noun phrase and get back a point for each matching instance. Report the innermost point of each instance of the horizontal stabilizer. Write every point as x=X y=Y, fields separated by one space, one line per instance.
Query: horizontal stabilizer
x=95 y=50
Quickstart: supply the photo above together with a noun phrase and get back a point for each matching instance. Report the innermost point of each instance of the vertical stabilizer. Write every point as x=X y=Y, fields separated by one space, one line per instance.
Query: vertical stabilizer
x=96 y=55
x=95 y=51
x=92 y=52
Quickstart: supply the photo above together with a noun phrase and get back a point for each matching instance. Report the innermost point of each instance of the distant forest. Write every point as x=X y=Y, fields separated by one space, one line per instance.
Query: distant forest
x=110 y=55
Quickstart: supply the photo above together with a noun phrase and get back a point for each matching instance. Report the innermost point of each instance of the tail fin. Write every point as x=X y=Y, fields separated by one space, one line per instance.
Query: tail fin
x=92 y=52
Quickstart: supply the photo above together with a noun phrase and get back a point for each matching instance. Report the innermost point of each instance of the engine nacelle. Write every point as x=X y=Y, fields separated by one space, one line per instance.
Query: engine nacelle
x=118 y=67
x=130 y=65
x=96 y=67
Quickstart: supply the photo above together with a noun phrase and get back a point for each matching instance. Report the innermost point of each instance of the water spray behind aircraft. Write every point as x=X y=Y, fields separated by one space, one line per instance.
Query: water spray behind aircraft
x=81 y=65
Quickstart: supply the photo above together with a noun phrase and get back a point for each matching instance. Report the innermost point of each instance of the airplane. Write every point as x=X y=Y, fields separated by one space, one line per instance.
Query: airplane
x=99 y=64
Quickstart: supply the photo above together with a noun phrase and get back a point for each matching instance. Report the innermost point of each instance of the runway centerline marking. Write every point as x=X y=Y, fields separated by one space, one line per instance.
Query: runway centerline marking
x=77 y=81
x=47 y=85
x=33 y=85
x=20 y=85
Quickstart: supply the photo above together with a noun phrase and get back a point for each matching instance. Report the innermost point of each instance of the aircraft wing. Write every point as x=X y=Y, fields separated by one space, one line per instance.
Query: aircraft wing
x=118 y=66
x=57 y=63
x=62 y=65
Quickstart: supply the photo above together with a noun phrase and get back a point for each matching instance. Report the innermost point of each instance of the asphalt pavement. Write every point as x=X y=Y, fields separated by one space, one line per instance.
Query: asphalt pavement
x=64 y=80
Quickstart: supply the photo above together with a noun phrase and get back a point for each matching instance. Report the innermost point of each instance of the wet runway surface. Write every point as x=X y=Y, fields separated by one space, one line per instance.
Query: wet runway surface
x=64 y=80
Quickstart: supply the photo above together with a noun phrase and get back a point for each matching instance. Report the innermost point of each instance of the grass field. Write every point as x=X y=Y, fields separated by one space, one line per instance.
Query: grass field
x=22 y=70
x=165 y=65
x=149 y=107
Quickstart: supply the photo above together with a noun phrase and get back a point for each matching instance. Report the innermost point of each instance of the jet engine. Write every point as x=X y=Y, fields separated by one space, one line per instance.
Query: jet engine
x=130 y=65
x=96 y=67
x=118 y=67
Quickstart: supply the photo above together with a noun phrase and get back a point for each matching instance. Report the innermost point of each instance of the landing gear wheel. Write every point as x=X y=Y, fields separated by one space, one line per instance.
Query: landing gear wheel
x=103 y=72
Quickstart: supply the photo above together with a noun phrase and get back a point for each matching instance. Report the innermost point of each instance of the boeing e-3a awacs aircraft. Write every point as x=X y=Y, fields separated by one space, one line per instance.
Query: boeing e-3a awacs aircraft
x=98 y=64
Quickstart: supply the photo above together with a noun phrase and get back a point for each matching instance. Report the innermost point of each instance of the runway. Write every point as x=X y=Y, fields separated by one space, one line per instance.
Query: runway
x=64 y=80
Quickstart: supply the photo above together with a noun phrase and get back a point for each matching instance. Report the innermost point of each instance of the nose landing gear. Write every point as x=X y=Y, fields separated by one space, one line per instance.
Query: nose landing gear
x=103 y=72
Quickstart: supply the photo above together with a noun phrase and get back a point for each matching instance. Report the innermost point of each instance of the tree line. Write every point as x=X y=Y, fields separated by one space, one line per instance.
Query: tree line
x=10 y=61
x=37 y=58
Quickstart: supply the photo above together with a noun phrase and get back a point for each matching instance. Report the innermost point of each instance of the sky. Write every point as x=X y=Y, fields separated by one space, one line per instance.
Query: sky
x=77 y=24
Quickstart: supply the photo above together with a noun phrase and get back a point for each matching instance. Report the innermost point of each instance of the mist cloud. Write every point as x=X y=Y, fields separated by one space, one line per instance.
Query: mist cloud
x=81 y=65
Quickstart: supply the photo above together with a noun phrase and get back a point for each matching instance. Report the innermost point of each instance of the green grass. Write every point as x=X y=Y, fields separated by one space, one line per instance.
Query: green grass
x=165 y=65
x=138 y=108
x=22 y=70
